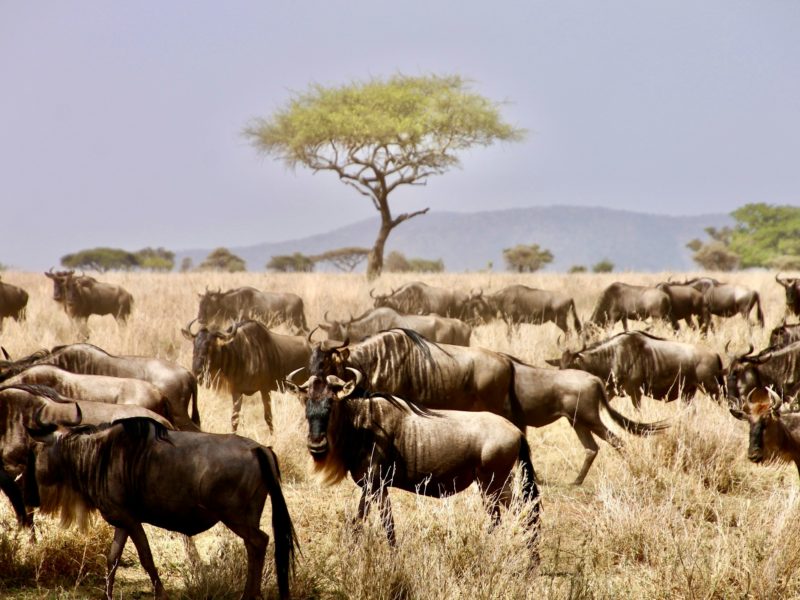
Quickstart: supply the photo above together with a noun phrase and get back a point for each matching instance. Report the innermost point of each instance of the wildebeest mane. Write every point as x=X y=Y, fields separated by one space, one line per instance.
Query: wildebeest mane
x=38 y=389
x=361 y=395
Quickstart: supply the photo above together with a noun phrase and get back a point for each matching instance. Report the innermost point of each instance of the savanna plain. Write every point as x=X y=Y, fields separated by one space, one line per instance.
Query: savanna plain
x=680 y=514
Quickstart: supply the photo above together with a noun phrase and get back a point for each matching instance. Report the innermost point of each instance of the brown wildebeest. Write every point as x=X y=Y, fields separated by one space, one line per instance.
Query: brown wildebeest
x=685 y=303
x=417 y=298
x=136 y=471
x=620 y=302
x=245 y=359
x=726 y=300
x=385 y=441
x=522 y=304
x=220 y=308
x=792 y=288
x=784 y=334
x=13 y=301
x=777 y=368
x=444 y=330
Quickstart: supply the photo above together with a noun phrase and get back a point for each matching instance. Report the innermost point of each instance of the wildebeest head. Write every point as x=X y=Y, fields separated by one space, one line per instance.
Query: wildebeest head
x=336 y=330
x=209 y=306
x=743 y=376
x=792 y=288
x=207 y=343
x=784 y=334
x=322 y=397
x=382 y=300
x=761 y=411
x=60 y=280
x=477 y=308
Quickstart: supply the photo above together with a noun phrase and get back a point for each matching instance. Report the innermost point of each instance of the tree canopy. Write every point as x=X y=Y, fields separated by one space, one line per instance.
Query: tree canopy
x=764 y=233
x=522 y=258
x=382 y=134
x=101 y=259
x=222 y=259
x=396 y=262
x=344 y=259
x=291 y=263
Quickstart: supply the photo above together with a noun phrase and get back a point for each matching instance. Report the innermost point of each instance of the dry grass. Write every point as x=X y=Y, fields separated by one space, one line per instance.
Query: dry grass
x=681 y=514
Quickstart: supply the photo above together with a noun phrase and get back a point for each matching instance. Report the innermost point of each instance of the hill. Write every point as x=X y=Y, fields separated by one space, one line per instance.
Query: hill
x=469 y=241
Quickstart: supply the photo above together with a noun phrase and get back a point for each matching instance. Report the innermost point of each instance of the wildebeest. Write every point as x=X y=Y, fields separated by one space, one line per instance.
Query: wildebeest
x=685 y=303
x=792 y=288
x=445 y=330
x=784 y=334
x=383 y=441
x=727 y=300
x=778 y=368
x=245 y=359
x=136 y=471
x=84 y=296
x=220 y=308
x=523 y=304
x=620 y=302
x=418 y=298
x=177 y=384
x=774 y=434
x=13 y=301
x=636 y=362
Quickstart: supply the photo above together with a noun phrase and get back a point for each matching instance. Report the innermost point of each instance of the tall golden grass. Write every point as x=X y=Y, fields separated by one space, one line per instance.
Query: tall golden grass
x=680 y=515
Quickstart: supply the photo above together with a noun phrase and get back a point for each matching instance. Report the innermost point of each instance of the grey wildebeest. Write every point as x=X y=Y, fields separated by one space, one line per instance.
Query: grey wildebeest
x=774 y=434
x=19 y=404
x=136 y=471
x=84 y=296
x=445 y=330
x=174 y=382
x=417 y=298
x=727 y=300
x=638 y=363
x=792 y=288
x=221 y=308
x=686 y=303
x=620 y=302
x=784 y=334
x=13 y=301
x=245 y=359
x=383 y=441
x=522 y=304
x=778 y=368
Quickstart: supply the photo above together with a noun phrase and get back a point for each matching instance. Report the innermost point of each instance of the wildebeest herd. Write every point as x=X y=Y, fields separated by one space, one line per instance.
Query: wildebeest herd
x=396 y=397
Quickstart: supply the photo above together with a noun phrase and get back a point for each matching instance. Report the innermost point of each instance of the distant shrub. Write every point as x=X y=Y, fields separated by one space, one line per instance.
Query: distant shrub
x=604 y=266
x=577 y=269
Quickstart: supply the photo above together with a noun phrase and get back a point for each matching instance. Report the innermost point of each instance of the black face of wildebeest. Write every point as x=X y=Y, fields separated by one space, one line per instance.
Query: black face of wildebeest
x=318 y=414
x=742 y=378
x=60 y=279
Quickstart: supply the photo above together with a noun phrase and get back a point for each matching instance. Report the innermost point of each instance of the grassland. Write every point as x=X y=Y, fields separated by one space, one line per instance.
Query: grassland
x=679 y=515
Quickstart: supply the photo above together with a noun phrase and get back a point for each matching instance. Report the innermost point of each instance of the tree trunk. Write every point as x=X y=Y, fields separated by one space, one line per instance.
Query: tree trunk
x=375 y=260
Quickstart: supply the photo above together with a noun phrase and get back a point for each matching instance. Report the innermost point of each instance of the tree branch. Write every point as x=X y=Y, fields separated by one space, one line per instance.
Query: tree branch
x=406 y=216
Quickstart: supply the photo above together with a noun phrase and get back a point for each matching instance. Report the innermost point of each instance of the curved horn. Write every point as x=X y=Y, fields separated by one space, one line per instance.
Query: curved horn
x=310 y=333
x=327 y=320
x=334 y=380
x=781 y=281
x=187 y=331
x=228 y=335
x=290 y=377
x=308 y=383
x=359 y=375
x=371 y=292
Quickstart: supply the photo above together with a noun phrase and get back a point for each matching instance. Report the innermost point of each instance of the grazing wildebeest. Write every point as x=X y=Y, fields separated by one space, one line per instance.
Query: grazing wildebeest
x=621 y=301
x=686 y=302
x=220 y=308
x=774 y=434
x=522 y=304
x=417 y=298
x=636 y=362
x=784 y=334
x=177 y=384
x=383 y=441
x=778 y=368
x=792 y=288
x=246 y=358
x=85 y=296
x=445 y=330
x=136 y=471
x=726 y=300
x=13 y=301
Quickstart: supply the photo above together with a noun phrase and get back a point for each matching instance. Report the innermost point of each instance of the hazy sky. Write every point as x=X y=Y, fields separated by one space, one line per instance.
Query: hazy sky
x=120 y=122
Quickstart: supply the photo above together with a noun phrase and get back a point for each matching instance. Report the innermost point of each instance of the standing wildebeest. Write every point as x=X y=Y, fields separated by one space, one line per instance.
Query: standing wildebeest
x=774 y=434
x=686 y=302
x=726 y=300
x=522 y=304
x=136 y=471
x=219 y=308
x=13 y=301
x=792 y=288
x=636 y=362
x=85 y=296
x=383 y=441
x=784 y=334
x=778 y=368
x=444 y=330
x=245 y=359
x=417 y=298
x=621 y=301
x=174 y=382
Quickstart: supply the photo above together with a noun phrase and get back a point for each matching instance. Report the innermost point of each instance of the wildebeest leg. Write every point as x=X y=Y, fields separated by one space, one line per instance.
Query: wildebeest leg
x=83 y=328
x=385 y=508
x=14 y=493
x=236 y=399
x=136 y=531
x=112 y=559
x=191 y=551
x=255 y=541
x=590 y=448
x=624 y=322
x=267 y=402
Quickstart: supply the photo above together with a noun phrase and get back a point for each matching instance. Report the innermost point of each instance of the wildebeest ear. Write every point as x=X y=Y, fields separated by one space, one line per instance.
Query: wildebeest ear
x=553 y=362
x=739 y=414
x=346 y=390
x=5 y=353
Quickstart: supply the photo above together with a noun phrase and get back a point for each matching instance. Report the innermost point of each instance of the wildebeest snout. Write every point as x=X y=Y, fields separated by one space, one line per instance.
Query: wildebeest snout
x=317 y=445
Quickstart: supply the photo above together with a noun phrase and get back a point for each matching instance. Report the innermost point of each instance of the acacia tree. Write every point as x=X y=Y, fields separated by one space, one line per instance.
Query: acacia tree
x=379 y=135
x=344 y=259
x=522 y=258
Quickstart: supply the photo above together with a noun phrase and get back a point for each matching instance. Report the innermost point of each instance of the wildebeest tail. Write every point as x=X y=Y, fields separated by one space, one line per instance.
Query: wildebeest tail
x=282 y=528
x=195 y=411
x=759 y=314
x=515 y=412
x=576 y=322
x=530 y=492
x=632 y=426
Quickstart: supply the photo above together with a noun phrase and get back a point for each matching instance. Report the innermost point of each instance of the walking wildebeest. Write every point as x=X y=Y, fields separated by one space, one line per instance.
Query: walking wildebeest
x=784 y=334
x=13 y=301
x=636 y=362
x=136 y=471
x=444 y=330
x=726 y=300
x=417 y=298
x=220 y=308
x=85 y=296
x=245 y=359
x=686 y=302
x=522 y=304
x=620 y=302
x=778 y=368
x=774 y=434
x=792 y=288
x=383 y=441
x=177 y=384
